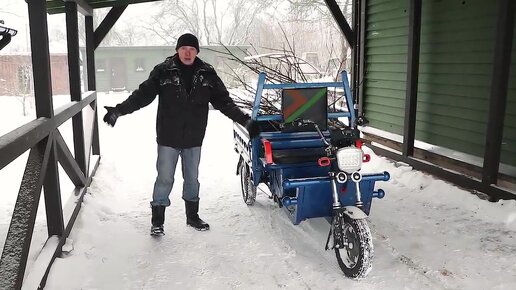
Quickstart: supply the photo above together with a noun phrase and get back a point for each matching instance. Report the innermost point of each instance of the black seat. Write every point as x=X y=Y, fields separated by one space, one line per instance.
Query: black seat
x=297 y=155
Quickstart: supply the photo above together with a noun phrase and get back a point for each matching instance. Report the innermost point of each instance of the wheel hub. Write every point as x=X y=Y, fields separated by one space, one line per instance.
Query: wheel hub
x=352 y=249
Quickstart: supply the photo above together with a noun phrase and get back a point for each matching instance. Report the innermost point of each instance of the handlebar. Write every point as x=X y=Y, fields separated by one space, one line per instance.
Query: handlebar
x=306 y=122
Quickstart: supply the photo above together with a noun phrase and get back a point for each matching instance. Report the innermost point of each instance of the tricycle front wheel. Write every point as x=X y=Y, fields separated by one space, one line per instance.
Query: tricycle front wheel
x=246 y=182
x=356 y=257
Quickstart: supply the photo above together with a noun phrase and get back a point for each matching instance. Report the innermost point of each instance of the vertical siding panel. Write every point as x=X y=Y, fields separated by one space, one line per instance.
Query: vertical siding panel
x=386 y=64
x=457 y=40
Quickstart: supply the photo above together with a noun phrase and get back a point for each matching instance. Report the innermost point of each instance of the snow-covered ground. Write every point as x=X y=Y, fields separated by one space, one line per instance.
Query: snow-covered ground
x=427 y=233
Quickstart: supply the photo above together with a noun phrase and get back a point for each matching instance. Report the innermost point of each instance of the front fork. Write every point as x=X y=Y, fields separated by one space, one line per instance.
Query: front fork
x=337 y=216
x=333 y=180
x=338 y=211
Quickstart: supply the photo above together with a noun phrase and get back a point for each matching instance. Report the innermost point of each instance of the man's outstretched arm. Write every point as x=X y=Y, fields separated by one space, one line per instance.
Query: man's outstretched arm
x=141 y=97
x=223 y=102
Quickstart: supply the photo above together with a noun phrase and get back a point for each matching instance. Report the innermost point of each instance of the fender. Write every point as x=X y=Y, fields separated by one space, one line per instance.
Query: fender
x=354 y=212
x=240 y=160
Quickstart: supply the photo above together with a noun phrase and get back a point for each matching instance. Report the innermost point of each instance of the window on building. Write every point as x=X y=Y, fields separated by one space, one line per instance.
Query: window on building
x=100 y=65
x=139 y=64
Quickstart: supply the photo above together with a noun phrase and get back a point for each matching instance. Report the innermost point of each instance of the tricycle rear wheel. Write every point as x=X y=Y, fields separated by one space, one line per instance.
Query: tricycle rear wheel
x=356 y=258
x=246 y=182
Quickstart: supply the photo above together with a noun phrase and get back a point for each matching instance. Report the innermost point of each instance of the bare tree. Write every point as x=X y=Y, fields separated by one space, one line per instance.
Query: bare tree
x=315 y=14
x=122 y=33
x=24 y=91
x=245 y=14
x=205 y=20
x=310 y=8
x=173 y=17
x=213 y=21
x=280 y=67
x=218 y=25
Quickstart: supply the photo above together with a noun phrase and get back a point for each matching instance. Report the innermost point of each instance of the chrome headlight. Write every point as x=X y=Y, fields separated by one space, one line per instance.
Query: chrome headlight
x=349 y=159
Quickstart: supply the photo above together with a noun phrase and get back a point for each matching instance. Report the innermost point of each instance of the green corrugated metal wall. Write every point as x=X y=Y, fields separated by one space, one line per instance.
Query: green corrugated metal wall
x=150 y=56
x=455 y=73
x=386 y=63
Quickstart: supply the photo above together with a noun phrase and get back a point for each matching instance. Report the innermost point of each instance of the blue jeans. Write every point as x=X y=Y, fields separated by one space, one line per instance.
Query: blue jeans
x=166 y=166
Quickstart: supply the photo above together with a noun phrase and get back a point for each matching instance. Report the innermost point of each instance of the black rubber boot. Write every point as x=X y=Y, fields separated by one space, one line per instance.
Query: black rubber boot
x=158 y=215
x=158 y=218
x=192 y=216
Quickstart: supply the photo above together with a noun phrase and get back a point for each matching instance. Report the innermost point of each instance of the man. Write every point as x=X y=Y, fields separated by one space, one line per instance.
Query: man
x=185 y=85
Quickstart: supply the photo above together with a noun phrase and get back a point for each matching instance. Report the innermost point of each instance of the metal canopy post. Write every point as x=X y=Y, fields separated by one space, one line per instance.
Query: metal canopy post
x=74 y=71
x=414 y=36
x=499 y=87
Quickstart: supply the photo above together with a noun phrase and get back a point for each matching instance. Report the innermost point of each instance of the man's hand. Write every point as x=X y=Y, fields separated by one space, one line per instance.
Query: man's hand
x=253 y=128
x=111 y=115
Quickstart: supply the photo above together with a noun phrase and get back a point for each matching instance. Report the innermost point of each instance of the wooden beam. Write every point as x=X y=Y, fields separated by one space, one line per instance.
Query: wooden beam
x=67 y=161
x=341 y=21
x=17 y=244
x=460 y=173
x=52 y=194
x=409 y=128
x=83 y=7
x=74 y=74
x=16 y=142
x=499 y=88
x=108 y=22
x=40 y=58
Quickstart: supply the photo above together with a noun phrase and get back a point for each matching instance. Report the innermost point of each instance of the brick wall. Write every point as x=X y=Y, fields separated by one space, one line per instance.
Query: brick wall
x=16 y=74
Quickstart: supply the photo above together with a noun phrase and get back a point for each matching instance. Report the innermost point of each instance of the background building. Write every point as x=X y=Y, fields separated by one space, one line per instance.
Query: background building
x=16 y=74
x=125 y=67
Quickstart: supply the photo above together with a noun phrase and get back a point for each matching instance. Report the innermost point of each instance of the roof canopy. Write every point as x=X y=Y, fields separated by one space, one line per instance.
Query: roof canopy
x=58 y=6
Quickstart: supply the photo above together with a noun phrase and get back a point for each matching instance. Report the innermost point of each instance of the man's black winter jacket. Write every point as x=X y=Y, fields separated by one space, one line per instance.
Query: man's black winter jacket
x=182 y=117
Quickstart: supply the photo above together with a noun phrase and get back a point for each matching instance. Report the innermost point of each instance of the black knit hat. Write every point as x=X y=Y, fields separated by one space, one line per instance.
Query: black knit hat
x=188 y=39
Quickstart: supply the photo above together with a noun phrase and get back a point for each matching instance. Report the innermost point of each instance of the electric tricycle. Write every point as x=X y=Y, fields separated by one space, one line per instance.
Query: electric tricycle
x=309 y=156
